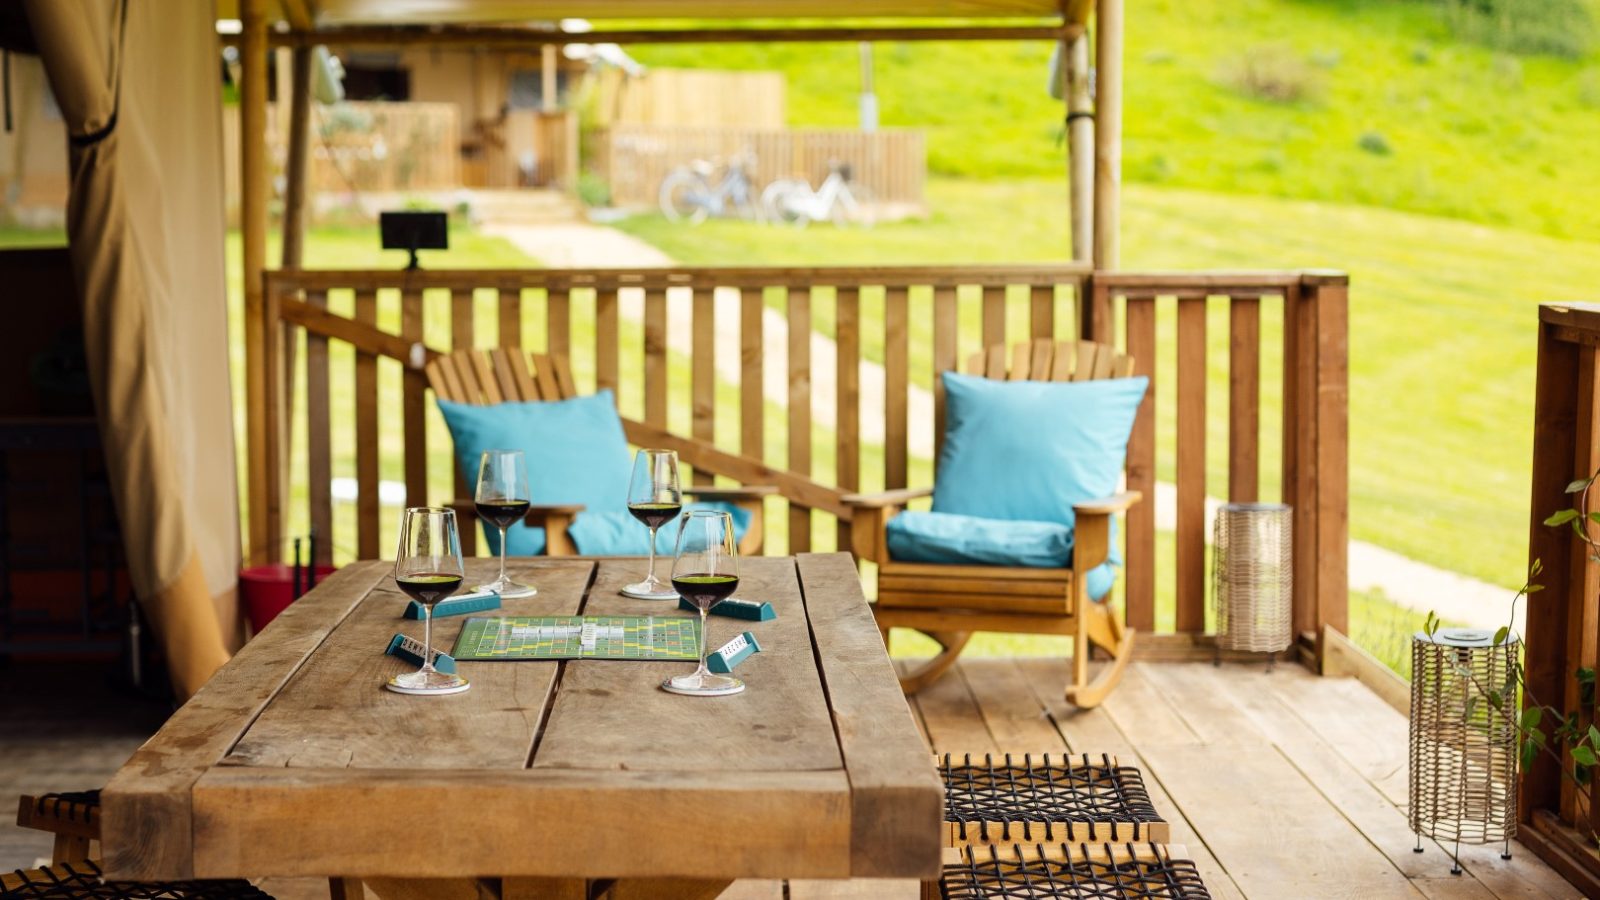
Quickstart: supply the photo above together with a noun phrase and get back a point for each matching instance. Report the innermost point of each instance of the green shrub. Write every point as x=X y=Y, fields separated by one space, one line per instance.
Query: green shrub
x=1272 y=72
x=593 y=190
x=1375 y=143
x=1552 y=27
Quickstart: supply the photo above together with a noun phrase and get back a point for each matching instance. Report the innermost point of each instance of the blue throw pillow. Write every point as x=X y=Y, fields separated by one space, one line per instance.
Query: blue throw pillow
x=613 y=532
x=934 y=537
x=575 y=449
x=1028 y=450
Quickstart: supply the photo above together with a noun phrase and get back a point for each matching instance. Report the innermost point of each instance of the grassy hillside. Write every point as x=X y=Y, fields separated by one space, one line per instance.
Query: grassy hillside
x=1392 y=109
x=1441 y=330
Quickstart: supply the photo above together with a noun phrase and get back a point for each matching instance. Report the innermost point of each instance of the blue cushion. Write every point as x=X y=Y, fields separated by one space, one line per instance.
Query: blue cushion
x=1028 y=450
x=575 y=449
x=612 y=532
x=936 y=537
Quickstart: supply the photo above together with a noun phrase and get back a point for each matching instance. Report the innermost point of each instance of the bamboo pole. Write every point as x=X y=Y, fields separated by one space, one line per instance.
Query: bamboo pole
x=1080 y=144
x=294 y=202
x=1107 y=132
x=253 y=225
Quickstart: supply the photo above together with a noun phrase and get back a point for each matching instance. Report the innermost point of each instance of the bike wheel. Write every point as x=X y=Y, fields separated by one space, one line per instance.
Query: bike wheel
x=777 y=201
x=683 y=197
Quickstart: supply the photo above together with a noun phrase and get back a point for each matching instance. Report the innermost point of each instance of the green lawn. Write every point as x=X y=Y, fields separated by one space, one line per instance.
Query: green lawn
x=1449 y=128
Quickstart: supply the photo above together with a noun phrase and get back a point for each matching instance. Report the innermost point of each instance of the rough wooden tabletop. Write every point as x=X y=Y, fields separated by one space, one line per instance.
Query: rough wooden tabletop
x=295 y=761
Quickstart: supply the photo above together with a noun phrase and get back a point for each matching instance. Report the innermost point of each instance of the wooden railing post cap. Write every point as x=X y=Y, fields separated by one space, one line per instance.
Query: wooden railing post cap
x=1318 y=277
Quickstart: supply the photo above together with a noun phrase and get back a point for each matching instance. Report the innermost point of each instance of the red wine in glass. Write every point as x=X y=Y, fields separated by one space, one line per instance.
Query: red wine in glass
x=705 y=591
x=502 y=513
x=428 y=588
x=655 y=515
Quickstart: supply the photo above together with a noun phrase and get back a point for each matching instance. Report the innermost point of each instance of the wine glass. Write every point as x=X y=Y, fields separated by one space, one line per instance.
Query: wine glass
x=705 y=570
x=655 y=499
x=428 y=568
x=502 y=501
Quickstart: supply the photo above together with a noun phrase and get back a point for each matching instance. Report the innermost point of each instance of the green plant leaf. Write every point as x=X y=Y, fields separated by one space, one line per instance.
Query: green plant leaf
x=1501 y=634
x=1580 y=774
x=1561 y=518
x=1584 y=675
x=1530 y=719
x=1594 y=736
x=1472 y=706
x=1529 y=750
x=1535 y=569
x=1584 y=754
x=1533 y=589
x=1496 y=699
x=1577 y=487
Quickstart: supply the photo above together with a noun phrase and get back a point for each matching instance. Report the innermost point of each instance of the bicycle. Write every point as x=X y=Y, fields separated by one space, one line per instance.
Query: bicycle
x=688 y=194
x=838 y=200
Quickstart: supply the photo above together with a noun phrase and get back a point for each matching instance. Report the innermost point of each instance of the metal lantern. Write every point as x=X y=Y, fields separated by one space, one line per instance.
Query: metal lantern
x=1253 y=571
x=1463 y=742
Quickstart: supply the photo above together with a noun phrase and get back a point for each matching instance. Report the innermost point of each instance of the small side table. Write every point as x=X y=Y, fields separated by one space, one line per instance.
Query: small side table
x=1253 y=578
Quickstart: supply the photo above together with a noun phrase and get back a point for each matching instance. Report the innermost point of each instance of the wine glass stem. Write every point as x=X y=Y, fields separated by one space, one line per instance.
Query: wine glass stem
x=704 y=635
x=650 y=577
x=427 y=640
x=502 y=579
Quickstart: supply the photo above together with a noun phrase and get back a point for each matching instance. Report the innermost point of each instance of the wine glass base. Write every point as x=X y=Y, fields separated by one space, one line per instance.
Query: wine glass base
x=703 y=685
x=427 y=684
x=508 y=589
x=649 y=590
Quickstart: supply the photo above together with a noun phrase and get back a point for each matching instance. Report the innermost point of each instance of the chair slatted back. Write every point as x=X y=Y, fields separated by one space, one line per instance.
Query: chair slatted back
x=500 y=375
x=1042 y=359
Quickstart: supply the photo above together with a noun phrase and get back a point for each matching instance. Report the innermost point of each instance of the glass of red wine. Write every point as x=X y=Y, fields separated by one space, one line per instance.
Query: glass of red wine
x=502 y=501
x=705 y=570
x=428 y=568
x=655 y=499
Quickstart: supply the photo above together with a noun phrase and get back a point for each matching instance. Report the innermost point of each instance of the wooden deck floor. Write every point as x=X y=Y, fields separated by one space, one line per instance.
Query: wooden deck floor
x=1280 y=785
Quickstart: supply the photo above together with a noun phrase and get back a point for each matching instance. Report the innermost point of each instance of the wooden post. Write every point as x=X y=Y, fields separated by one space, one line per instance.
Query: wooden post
x=547 y=78
x=294 y=202
x=1080 y=145
x=1107 y=131
x=253 y=225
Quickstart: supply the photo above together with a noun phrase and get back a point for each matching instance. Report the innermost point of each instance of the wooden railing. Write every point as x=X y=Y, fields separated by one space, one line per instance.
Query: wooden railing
x=360 y=399
x=1563 y=627
x=633 y=159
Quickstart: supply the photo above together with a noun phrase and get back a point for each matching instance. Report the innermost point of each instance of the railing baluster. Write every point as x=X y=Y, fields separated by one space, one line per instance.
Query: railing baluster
x=1042 y=311
x=413 y=403
x=847 y=336
x=946 y=325
x=896 y=366
x=510 y=307
x=1244 y=399
x=703 y=362
x=366 y=434
x=462 y=306
x=319 y=454
x=799 y=318
x=752 y=397
x=1141 y=553
x=1191 y=468
x=994 y=315
x=655 y=357
x=558 y=322
x=607 y=338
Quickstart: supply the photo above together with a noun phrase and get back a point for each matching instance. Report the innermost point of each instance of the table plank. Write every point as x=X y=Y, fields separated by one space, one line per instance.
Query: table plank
x=896 y=796
x=146 y=813
x=614 y=715
x=709 y=823
x=335 y=712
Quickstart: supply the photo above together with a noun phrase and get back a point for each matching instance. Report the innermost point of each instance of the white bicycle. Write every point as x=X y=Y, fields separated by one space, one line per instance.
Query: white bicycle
x=838 y=200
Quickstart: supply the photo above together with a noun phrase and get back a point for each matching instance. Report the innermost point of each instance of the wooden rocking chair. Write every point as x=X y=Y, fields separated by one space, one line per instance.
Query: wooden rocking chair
x=483 y=377
x=950 y=602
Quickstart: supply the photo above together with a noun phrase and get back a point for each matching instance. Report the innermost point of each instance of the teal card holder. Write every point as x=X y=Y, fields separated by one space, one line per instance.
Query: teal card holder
x=736 y=609
x=410 y=650
x=459 y=605
x=734 y=652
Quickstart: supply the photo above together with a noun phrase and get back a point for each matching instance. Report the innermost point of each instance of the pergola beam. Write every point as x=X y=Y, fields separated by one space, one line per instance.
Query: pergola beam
x=472 y=36
x=1107 y=134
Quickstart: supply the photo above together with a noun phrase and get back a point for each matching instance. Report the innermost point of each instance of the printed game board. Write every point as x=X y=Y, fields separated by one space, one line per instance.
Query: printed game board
x=578 y=637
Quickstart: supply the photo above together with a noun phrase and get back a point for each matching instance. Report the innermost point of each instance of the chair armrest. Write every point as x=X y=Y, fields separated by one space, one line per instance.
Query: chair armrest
x=1106 y=506
x=732 y=494
x=886 y=498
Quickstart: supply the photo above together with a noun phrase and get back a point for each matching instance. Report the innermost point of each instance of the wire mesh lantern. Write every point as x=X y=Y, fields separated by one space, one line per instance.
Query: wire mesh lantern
x=1252 y=548
x=1463 y=742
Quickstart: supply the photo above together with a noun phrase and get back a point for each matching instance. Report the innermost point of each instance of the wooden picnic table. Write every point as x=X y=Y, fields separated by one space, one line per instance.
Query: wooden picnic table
x=294 y=760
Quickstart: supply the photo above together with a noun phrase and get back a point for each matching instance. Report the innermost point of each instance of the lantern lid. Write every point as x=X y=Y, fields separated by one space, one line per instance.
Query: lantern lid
x=1465 y=637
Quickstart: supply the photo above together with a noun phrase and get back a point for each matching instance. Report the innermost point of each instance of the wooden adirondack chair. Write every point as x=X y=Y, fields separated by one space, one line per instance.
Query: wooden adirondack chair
x=950 y=602
x=506 y=374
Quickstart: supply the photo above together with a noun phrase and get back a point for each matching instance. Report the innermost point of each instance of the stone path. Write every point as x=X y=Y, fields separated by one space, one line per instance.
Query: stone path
x=1414 y=585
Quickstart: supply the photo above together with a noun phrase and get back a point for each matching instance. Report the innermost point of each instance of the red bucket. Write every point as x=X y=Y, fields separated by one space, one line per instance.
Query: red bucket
x=268 y=590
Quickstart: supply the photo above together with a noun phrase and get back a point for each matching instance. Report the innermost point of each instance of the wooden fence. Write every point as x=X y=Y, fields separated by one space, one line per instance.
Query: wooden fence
x=692 y=97
x=632 y=159
x=1563 y=628
x=348 y=348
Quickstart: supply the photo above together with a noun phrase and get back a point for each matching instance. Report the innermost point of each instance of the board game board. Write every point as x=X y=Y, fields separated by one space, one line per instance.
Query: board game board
x=578 y=637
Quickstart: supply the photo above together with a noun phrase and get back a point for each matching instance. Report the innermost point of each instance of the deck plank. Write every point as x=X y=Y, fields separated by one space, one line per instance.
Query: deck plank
x=1367 y=732
x=1014 y=716
x=952 y=717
